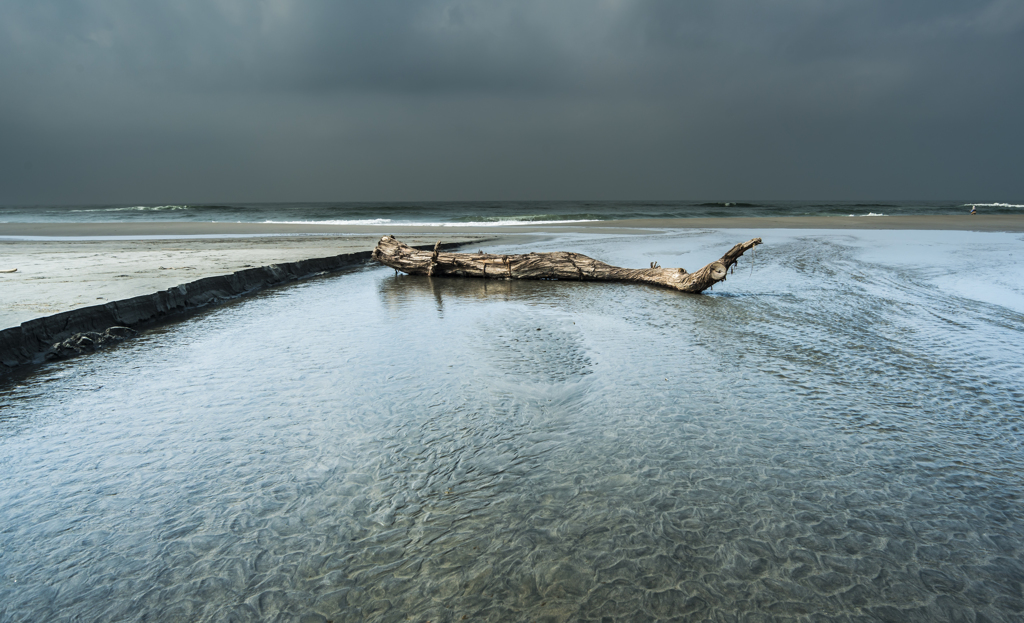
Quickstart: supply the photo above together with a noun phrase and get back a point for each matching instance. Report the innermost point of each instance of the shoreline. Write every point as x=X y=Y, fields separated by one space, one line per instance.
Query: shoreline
x=979 y=222
x=55 y=275
x=86 y=277
x=30 y=337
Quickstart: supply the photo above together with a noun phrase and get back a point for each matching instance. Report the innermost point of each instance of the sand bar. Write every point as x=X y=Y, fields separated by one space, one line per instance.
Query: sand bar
x=65 y=266
x=56 y=276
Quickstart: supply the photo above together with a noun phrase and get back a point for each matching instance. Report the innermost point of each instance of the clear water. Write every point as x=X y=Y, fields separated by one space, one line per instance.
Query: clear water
x=833 y=434
x=496 y=213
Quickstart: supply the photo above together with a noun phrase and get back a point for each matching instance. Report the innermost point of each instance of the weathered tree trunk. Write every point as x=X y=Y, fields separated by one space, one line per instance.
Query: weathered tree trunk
x=557 y=265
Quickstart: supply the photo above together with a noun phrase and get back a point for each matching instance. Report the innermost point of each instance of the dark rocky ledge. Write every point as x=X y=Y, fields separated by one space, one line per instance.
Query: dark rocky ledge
x=74 y=332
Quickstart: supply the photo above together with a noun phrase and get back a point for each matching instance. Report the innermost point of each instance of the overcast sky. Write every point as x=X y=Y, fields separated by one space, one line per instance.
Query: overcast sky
x=275 y=100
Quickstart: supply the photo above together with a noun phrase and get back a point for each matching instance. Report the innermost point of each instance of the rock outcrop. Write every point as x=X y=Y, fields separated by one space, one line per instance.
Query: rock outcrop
x=87 y=342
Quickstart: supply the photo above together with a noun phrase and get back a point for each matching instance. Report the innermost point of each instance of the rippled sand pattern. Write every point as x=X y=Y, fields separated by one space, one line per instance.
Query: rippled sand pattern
x=831 y=439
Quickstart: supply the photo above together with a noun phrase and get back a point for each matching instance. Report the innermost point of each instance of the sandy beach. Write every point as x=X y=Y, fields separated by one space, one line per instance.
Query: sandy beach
x=821 y=425
x=61 y=275
x=511 y=312
x=65 y=266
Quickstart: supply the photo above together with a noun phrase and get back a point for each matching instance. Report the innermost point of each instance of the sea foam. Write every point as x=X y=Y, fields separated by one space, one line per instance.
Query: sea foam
x=134 y=209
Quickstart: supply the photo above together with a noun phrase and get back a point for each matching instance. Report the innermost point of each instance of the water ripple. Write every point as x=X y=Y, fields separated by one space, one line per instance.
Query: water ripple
x=838 y=438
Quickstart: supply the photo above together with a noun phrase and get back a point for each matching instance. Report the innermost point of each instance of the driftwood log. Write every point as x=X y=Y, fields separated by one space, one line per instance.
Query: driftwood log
x=557 y=265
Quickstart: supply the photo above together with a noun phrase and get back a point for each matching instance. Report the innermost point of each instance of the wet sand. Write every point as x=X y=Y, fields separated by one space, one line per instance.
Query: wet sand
x=61 y=275
x=836 y=430
x=65 y=266
x=981 y=222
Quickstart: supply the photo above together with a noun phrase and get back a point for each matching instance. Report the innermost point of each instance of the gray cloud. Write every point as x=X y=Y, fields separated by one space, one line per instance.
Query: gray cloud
x=279 y=100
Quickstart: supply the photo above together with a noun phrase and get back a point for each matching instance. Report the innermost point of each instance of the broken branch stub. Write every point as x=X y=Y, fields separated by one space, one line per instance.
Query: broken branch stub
x=561 y=265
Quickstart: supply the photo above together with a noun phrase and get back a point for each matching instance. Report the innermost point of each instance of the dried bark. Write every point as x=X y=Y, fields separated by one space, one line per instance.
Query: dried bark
x=557 y=265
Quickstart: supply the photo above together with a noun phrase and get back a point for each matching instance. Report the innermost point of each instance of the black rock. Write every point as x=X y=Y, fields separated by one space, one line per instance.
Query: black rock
x=89 y=341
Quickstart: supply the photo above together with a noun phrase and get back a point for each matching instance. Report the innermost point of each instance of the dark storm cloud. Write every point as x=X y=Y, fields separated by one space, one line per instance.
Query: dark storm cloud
x=277 y=100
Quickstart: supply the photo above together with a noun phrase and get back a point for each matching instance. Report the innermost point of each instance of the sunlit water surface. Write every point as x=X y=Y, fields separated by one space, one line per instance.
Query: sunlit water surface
x=833 y=434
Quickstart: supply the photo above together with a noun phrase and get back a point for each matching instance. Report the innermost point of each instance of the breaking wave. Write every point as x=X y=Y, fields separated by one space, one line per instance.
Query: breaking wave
x=134 y=209
x=727 y=204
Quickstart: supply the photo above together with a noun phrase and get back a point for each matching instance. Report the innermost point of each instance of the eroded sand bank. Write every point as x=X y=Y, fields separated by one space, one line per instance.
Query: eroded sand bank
x=61 y=275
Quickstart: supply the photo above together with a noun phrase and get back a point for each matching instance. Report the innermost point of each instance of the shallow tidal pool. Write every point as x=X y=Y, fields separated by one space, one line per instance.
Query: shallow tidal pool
x=833 y=434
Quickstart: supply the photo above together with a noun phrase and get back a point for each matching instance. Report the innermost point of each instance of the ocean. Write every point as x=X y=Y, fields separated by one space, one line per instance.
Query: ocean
x=832 y=434
x=495 y=213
